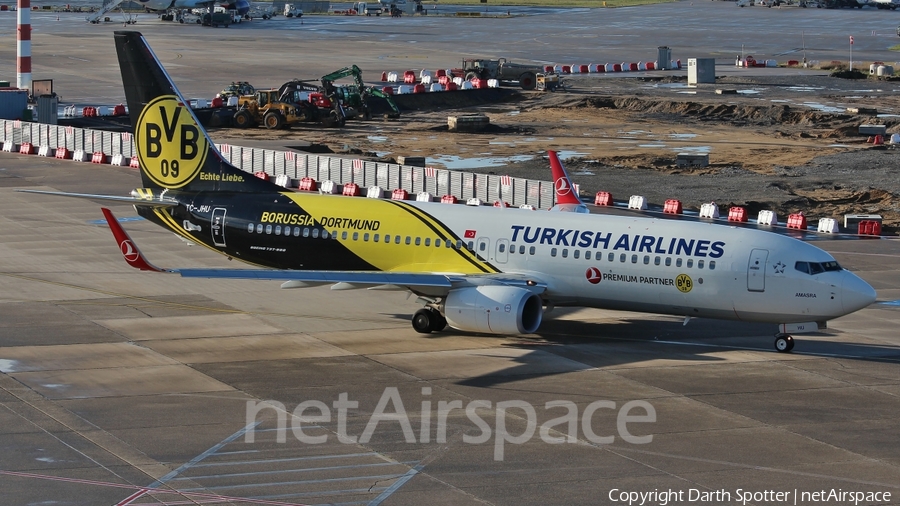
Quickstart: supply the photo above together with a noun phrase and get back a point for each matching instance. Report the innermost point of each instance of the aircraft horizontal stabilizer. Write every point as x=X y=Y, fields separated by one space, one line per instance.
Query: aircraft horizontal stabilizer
x=149 y=202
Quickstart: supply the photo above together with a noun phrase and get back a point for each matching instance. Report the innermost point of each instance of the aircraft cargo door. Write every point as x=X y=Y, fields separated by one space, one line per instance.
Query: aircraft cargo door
x=756 y=270
x=217 y=225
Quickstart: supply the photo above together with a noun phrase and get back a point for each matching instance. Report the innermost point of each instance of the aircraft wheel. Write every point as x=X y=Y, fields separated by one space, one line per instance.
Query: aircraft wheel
x=784 y=343
x=423 y=321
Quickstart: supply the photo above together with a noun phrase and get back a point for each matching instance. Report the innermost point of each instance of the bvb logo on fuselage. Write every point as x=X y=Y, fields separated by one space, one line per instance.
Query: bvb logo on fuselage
x=684 y=283
x=170 y=145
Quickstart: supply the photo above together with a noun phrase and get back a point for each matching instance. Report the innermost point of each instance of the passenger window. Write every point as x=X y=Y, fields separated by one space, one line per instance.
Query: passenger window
x=611 y=257
x=646 y=259
x=622 y=258
x=449 y=243
x=250 y=228
x=531 y=250
x=677 y=262
x=343 y=235
x=699 y=264
x=355 y=236
x=326 y=234
x=553 y=252
x=482 y=246
x=512 y=249
x=259 y=228
x=387 y=238
x=315 y=233
x=305 y=232
x=576 y=254
x=375 y=238
x=501 y=247
x=397 y=239
x=470 y=246
x=668 y=261
x=408 y=240
x=366 y=237
x=690 y=263
x=565 y=253
x=522 y=250
x=712 y=265
x=587 y=255
x=656 y=261
x=277 y=229
x=634 y=259
x=297 y=232
x=268 y=229
x=418 y=241
x=428 y=241
x=459 y=244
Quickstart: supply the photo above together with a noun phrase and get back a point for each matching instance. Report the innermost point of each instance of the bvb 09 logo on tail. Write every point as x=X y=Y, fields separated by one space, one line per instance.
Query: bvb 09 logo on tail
x=171 y=147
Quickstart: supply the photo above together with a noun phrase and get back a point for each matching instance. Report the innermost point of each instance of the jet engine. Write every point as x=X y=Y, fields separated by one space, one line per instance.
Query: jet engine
x=494 y=309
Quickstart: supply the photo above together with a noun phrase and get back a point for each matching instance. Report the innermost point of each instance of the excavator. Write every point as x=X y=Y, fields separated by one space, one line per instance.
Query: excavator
x=354 y=97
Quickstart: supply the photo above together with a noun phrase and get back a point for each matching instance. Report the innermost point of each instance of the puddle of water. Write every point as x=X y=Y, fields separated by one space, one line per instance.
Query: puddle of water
x=824 y=108
x=694 y=149
x=585 y=173
x=513 y=113
x=502 y=143
x=8 y=365
x=453 y=162
x=651 y=145
x=380 y=154
x=779 y=100
x=682 y=136
x=688 y=92
x=54 y=385
x=377 y=138
x=48 y=460
x=838 y=146
x=888 y=116
x=891 y=303
x=566 y=154
x=636 y=132
x=667 y=85
x=749 y=92
x=804 y=88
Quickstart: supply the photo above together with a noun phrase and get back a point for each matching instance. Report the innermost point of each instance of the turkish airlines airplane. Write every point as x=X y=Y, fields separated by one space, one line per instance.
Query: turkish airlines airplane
x=241 y=6
x=478 y=269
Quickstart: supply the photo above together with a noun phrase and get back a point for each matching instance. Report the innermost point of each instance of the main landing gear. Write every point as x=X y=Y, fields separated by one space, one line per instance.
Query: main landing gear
x=784 y=343
x=428 y=320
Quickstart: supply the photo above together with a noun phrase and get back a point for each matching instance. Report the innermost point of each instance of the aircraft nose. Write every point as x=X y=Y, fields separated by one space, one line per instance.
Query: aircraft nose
x=856 y=293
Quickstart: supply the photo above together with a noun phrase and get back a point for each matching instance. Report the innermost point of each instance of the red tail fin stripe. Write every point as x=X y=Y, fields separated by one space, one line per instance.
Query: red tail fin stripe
x=129 y=249
x=565 y=190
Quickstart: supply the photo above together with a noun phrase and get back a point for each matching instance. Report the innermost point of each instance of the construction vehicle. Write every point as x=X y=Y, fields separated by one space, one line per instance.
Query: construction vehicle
x=502 y=70
x=547 y=82
x=265 y=107
x=237 y=89
x=354 y=98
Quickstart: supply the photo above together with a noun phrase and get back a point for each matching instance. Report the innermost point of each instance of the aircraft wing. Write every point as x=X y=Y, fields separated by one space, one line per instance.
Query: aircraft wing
x=340 y=280
x=150 y=202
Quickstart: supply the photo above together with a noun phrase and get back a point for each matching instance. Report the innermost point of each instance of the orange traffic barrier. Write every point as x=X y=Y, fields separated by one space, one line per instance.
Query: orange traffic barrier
x=603 y=199
x=63 y=153
x=307 y=184
x=399 y=194
x=672 y=206
x=351 y=190
x=796 y=221
x=738 y=214
x=262 y=175
x=134 y=163
x=869 y=227
x=98 y=157
x=448 y=199
x=26 y=148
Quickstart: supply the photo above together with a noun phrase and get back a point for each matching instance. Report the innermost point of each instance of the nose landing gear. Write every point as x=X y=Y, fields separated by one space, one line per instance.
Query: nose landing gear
x=784 y=343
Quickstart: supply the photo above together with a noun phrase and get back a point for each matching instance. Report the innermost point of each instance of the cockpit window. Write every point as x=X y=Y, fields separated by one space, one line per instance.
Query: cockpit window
x=813 y=268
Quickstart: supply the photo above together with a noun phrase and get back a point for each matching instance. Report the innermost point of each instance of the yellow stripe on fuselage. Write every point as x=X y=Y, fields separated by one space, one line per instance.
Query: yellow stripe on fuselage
x=392 y=218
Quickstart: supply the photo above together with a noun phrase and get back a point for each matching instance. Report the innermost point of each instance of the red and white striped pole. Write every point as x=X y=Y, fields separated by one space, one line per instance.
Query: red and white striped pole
x=23 y=45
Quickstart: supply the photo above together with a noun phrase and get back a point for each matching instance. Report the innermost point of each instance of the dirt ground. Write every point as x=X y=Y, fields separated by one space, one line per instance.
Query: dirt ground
x=783 y=143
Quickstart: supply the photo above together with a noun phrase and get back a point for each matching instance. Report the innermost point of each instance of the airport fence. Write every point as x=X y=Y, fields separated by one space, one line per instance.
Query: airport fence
x=341 y=170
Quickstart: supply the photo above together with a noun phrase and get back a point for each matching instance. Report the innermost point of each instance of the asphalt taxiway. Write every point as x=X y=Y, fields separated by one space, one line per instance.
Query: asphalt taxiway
x=116 y=381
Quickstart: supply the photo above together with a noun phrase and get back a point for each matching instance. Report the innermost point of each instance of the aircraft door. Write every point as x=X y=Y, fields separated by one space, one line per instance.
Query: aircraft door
x=482 y=248
x=756 y=270
x=501 y=255
x=217 y=225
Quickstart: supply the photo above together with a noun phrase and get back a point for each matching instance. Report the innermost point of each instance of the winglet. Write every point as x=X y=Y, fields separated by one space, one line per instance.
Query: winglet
x=565 y=190
x=129 y=250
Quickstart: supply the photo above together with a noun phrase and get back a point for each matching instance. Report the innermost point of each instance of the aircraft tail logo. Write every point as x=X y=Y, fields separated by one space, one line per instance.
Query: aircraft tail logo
x=565 y=193
x=174 y=150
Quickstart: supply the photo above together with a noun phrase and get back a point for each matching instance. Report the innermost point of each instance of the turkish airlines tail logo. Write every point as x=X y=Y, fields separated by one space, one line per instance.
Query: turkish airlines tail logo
x=565 y=193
